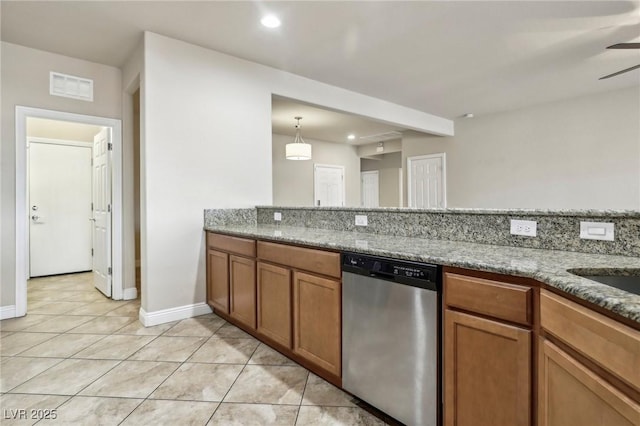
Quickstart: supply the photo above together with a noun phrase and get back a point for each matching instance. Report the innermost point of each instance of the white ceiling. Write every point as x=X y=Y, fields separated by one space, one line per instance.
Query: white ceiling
x=445 y=58
x=322 y=124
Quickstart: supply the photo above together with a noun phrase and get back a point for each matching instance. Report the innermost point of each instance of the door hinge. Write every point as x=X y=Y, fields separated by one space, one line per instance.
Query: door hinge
x=91 y=252
x=109 y=270
x=109 y=208
x=91 y=206
x=109 y=146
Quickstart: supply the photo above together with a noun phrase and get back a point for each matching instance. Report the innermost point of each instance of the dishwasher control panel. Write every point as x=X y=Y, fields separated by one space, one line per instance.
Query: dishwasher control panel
x=392 y=269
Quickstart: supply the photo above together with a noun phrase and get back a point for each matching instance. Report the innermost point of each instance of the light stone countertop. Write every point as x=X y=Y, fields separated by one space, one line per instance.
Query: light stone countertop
x=547 y=266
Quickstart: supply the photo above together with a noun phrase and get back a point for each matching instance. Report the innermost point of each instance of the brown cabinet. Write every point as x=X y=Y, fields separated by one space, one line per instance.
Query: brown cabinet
x=218 y=280
x=317 y=320
x=242 y=288
x=274 y=303
x=231 y=277
x=589 y=367
x=487 y=360
x=287 y=296
x=570 y=394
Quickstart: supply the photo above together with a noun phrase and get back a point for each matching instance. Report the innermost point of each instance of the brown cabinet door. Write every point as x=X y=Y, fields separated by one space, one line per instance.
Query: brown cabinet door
x=218 y=280
x=487 y=372
x=572 y=395
x=274 y=303
x=316 y=321
x=242 y=277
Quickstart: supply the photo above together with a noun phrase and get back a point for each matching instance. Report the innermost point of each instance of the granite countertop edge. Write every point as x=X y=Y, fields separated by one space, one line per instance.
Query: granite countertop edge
x=547 y=266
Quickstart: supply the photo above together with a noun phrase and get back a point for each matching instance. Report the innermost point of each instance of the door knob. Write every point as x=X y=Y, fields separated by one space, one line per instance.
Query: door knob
x=35 y=217
x=92 y=220
x=34 y=208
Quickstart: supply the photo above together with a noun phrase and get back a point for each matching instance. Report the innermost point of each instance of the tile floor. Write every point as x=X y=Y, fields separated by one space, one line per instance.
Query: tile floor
x=89 y=359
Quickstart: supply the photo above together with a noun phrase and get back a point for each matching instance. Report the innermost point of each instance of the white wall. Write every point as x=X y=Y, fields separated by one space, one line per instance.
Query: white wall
x=62 y=130
x=574 y=154
x=25 y=81
x=206 y=143
x=293 y=180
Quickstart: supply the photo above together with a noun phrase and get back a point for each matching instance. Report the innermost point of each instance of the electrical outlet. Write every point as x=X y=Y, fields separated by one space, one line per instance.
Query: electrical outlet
x=277 y=216
x=527 y=228
x=361 y=220
x=596 y=231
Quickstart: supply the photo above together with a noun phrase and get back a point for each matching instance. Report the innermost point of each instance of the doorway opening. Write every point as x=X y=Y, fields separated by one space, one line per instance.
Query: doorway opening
x=68 y=199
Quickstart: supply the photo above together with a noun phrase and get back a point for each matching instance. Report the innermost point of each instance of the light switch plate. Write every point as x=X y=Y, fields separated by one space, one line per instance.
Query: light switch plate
x=527 y=228
x=597 y=231
x=361 y=220
x=277 y=216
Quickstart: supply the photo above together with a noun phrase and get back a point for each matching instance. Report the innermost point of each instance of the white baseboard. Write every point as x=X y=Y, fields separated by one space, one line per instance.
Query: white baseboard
x=149 y=319
x=7 y=312
x=130 y=293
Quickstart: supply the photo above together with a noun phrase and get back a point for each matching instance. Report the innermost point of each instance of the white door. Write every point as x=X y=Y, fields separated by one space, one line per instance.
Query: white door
x=328 y=185
x=369 y=189
x=102 y=211
x=426 y=181
x=59 y=208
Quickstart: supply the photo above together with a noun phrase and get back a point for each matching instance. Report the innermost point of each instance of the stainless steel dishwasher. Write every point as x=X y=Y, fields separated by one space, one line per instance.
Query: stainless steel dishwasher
x=391 y=336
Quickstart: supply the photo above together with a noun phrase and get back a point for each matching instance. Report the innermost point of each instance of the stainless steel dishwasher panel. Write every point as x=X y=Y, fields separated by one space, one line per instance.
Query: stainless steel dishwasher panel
x=389 y=347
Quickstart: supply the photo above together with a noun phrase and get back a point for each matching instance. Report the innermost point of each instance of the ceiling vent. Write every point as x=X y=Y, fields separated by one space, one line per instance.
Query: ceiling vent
x=70 y=86
x=381 y=137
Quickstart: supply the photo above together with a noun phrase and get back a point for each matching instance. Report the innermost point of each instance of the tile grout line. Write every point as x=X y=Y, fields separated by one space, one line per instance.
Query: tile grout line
x=302 y=398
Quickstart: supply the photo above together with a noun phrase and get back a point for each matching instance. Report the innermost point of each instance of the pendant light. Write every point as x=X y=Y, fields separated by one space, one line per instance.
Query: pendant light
x=298 y=149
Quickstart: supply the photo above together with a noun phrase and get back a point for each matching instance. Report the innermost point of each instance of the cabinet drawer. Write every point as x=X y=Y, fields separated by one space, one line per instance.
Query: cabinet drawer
x=614 y=346
x=236 y=245
x=318 y=261
x=509 y=302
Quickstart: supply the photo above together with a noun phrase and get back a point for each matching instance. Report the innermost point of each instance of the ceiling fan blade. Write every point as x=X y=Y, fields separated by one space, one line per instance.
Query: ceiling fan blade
x=619 y=72
x=625 y=46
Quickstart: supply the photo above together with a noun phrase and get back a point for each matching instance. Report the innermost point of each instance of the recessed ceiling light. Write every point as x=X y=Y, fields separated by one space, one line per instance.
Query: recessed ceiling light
x=270 y=21
x=351 y=137
x=468 y=115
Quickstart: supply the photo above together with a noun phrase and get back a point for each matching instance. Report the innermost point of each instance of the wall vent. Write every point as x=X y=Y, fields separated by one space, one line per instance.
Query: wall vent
x=70 y=86
x=380 y=137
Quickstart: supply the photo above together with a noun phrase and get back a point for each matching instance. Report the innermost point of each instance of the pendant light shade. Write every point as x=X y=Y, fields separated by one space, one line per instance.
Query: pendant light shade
x=298 y=149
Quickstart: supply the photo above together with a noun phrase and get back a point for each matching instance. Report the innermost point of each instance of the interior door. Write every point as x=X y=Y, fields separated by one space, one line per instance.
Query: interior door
x=328 y=185
x=426 y=181
x=59 y=208
x=102 y=211
x=370 y=190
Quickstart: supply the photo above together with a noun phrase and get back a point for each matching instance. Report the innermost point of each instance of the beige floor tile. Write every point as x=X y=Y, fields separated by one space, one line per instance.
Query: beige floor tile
x=66 y=378
x=85 y=296
x=15 y=371
x=264 y=355
x=57 y=308
x=103 y=325
x=225 y=351
x=136 y=328
x=335 y=416
x=131 y=309
x=320 y=392
x=254 y=415
x=5 y=333
x=11 y=403
x=95 y=308
x=269 y=384
x=201 y=327
x=19 y=342
x=18 y=324
x=169 y=349
x=63 y=346
x=233 y=332
x=132 y=379
x=199 y=382
x=114 y=347
x=159 y=412
x=59 y=324
x=88 y=410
